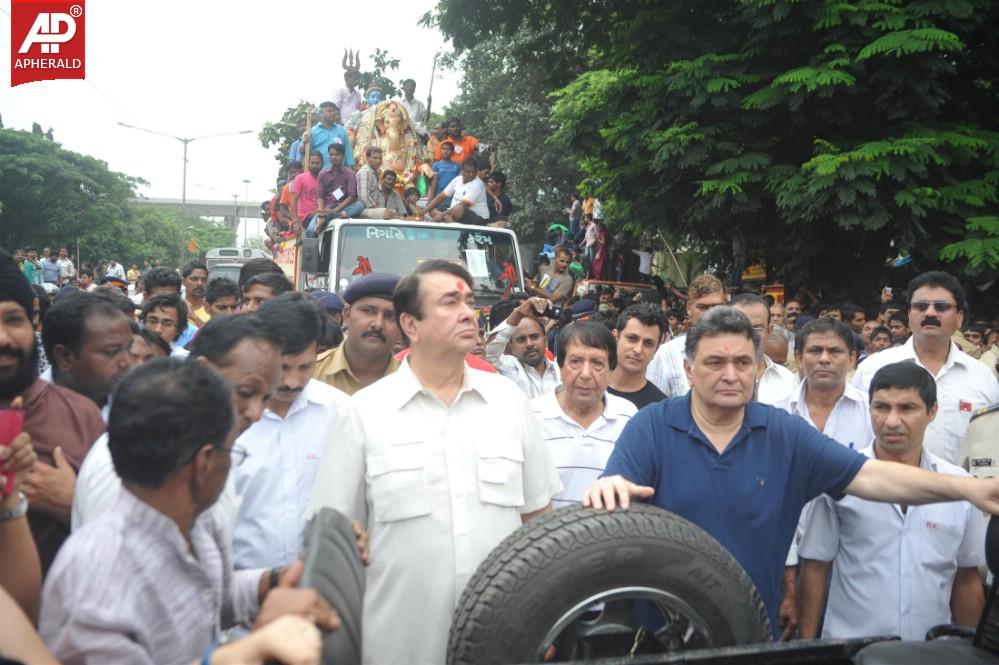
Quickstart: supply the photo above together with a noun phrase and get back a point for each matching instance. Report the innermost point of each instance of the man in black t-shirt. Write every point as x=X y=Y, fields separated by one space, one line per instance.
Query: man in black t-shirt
x=639 y=332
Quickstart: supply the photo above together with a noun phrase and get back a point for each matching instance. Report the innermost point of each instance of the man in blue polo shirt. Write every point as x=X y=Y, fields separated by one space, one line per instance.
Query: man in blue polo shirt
x=742 y=470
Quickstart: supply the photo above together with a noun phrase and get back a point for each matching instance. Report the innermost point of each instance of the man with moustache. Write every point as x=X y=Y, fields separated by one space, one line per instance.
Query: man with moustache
x=247 y=354
x=369 y=321
x=62 y=423
x=305 y=192
x=936 y=311
x=195 y=276
x=286 y=444
x=517 y=347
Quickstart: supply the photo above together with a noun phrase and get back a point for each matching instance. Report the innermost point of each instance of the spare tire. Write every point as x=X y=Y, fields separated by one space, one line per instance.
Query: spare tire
x=332 y=566
x=555 y=568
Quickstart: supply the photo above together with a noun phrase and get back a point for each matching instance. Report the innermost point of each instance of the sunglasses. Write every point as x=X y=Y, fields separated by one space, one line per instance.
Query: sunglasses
x=938 y=305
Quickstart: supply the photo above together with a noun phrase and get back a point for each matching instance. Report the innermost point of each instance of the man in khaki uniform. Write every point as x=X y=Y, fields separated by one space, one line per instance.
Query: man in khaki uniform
x=980 y=448
x=371 y=332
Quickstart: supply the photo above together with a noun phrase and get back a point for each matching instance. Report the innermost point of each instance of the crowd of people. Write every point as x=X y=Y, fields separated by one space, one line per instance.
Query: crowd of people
x=172 y=433
x=322 y=181
x=171 y=453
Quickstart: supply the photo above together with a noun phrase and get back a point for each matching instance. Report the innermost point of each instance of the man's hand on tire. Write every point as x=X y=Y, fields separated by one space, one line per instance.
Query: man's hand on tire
x=607 y=493
x=286 y=598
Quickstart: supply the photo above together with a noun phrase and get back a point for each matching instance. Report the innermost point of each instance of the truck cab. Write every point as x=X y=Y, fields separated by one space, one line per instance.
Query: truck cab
x=351 y=248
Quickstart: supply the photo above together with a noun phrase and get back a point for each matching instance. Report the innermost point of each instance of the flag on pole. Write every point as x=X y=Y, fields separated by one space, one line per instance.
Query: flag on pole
x=192 y=247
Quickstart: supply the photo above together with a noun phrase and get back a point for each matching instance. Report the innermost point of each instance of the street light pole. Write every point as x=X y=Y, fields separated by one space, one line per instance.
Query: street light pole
x=185 y=141
x=235 y=215
x=246 y=208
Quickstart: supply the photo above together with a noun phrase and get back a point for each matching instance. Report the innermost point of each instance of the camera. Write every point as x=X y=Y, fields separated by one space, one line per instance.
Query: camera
x=553 y=312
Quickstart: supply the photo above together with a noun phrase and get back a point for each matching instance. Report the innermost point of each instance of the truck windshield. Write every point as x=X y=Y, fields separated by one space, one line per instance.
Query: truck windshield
x=397 y=248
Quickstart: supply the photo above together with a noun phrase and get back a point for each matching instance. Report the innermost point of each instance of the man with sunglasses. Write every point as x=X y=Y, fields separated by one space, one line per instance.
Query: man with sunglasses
x=964 y=385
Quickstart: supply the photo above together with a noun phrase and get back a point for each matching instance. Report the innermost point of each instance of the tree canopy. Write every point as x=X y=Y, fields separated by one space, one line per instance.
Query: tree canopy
x=826 y=136
x=53 y=196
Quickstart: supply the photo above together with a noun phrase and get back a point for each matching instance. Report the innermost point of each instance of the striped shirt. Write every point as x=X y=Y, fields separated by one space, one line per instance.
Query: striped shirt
x=580 y=455
x=128 y=588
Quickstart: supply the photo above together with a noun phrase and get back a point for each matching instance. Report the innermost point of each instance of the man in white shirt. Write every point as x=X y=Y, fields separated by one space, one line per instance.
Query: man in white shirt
x=286 y=444
x=774 y=383
x=581 y=421
x=666 y=369
x=66 y=269
x=828 y=403
x=900 y=569
x=516 y=348
x=115 y=269
x=247 y=354
x=439 y=462
x=414 y=107
x=964 y=385
x=469 y=202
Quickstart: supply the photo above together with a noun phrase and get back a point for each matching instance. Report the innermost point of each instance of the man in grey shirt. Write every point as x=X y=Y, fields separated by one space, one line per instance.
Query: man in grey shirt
x=152 y=580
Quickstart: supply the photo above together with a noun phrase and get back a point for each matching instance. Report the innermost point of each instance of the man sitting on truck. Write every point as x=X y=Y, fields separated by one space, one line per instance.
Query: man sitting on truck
x=388 y=204
x=337 y=193
x=468 y=198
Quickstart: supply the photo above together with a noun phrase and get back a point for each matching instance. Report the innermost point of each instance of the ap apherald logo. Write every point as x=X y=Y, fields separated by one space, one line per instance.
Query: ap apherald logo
x=46 y=41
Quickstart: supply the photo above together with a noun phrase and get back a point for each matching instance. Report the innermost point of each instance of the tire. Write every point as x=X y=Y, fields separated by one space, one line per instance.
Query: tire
x=558 y=561
x=332 y=566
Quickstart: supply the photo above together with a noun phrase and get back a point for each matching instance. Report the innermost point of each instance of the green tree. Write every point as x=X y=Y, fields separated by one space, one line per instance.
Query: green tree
x=53 y=196
x=827 y=135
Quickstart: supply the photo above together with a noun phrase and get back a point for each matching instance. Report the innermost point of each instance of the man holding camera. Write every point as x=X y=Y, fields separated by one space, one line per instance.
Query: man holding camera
x=557 y=284
x=517 y=349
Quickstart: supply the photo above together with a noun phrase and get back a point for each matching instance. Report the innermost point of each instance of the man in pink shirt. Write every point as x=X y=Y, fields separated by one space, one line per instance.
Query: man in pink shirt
x=305 y=192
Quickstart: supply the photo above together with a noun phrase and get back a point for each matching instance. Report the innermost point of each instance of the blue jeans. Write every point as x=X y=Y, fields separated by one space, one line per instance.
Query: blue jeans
x=353 y=210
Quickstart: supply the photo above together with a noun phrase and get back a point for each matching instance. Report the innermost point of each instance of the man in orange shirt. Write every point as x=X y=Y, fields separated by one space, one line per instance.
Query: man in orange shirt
x=465 y=145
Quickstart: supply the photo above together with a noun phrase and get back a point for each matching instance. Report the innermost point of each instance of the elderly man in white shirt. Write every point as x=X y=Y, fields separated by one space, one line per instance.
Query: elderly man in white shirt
x=581 y=420
x=285 y=446
x=439 y=462
x=666 y=369
x=523 y=335
x=824 y=355
x=774 y=383
x=964 y=385
x=899 y=569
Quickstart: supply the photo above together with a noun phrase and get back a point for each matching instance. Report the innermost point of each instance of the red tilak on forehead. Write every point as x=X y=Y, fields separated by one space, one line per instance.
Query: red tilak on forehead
x=461 y=285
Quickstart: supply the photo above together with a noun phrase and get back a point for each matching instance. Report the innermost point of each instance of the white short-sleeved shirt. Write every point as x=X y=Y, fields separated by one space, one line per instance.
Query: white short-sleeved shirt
x=849 y=423
x=964 y=385
x=473 y=191
x=776 y=384
x=666 y=369
x=893 y=573
x=437 y=488
x=580 y=455
x=275 y=480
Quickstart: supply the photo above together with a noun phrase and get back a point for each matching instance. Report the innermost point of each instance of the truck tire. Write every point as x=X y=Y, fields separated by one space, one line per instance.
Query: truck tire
x=560 y=560
x=333 y=567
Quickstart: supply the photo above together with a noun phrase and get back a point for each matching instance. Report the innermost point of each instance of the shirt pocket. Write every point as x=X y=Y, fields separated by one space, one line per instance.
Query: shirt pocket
x=500 y=466
x=399 y=481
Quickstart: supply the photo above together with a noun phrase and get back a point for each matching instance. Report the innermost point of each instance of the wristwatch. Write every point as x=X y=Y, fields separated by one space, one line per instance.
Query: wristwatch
x=17 y=511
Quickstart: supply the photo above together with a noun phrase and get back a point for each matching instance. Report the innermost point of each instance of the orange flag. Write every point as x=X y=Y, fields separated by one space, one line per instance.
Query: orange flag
x=192 y=247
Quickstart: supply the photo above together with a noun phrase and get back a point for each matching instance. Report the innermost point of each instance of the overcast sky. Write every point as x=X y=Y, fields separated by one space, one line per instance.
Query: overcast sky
x=195 y=68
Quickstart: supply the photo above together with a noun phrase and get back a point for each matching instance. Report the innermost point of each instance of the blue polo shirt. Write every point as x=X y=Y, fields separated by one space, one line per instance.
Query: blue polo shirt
x=748 y=497
x=321 y=139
